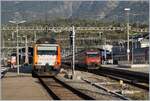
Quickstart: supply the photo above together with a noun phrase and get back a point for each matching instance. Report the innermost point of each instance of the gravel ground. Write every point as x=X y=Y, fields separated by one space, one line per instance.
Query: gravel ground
x=87 y=88
x=128 y=90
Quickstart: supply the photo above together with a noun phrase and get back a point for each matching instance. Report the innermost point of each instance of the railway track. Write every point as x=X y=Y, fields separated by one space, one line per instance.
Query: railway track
x=112 y=89
x=133 y=79
x=100 y=86
x=59 y=90
x=140 y=81
x=141 y=77
x=121 y=90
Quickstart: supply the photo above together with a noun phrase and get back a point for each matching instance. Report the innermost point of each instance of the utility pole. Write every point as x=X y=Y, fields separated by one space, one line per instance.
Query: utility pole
x=105 y=52
x=3 y=46
x=20 y=50
x=26 y=52
x=132 y=50
x=17 y=52
x=112 y=55
x=34 y=36
x=17 y=23
x=104 y=47
x=128 y=50
x=12 y=35
x=73 y=52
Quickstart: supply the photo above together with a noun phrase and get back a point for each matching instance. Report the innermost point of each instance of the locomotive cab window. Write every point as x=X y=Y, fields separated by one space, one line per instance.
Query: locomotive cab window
x=92 y=55
x=47 y=52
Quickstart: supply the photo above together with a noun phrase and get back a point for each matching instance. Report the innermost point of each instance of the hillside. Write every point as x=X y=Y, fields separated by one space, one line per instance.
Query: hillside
x=95 y=10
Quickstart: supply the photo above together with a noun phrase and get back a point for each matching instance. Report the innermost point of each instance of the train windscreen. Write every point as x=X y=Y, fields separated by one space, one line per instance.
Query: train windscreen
x=92 y=54
x=47 y=51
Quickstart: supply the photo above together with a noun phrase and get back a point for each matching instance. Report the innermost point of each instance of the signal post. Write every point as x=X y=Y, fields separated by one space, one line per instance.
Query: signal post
x=72 y=42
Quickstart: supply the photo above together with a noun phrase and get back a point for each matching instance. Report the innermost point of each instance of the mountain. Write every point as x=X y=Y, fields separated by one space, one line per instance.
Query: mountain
x=109 y=10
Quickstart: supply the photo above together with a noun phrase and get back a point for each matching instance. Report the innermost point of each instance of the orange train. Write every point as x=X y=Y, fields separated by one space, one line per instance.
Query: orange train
x=46 y=56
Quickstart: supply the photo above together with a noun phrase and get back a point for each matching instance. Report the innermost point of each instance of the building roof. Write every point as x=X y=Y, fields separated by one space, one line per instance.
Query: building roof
x=140 y=35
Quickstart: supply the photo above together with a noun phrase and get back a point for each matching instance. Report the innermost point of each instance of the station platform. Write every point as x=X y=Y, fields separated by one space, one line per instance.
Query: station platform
x=22 y=86
x=137 y=68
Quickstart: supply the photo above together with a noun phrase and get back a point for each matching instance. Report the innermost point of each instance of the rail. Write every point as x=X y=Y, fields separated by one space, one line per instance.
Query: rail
x=106 y=89
x=136 y=79
x=128 y=77
x=59 y=90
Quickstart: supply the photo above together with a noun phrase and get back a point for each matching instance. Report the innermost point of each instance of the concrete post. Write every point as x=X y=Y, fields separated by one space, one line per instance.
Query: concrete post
x=128 y=50
x=73 y=53
x=17 y=52
x=26 y=52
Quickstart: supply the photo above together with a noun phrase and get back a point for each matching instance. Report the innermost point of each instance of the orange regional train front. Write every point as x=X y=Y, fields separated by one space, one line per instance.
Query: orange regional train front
x=46 y=57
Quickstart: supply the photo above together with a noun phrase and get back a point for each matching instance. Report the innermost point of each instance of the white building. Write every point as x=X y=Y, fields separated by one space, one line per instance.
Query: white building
x=107 y=47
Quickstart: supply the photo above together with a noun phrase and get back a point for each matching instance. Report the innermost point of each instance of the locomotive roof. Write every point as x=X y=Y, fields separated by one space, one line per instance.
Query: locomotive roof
x=46 y=40
x=91 y=50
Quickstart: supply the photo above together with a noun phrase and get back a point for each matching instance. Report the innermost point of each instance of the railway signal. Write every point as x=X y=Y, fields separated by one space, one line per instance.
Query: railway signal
x=71 y=39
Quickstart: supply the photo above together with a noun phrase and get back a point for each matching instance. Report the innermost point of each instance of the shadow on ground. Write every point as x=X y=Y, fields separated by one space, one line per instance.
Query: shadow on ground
x=22 y=69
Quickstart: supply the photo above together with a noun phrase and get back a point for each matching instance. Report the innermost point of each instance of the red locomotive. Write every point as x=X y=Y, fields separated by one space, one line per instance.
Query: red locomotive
x=87 y=58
